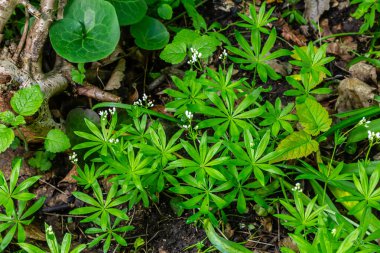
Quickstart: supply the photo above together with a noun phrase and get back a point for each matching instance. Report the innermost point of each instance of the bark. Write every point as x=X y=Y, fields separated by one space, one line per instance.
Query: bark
x=6 y=9
x=37 y=36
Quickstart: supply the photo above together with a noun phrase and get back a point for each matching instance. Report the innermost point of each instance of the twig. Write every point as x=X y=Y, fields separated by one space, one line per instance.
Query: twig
x=23 y=37
x=29 y=8
x=43 y=181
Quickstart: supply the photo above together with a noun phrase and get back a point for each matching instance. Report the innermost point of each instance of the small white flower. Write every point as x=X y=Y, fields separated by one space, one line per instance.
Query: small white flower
x=333 y=231
x=364 y=122
x=145 y=97
x=297 y=188
x=50 y=231
x=186 y=126
x=188 y=115
x=112 y=110
x=73 y=157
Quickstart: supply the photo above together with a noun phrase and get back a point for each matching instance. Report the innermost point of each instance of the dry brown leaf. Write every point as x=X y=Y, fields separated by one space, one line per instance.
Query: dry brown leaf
x=290 y=35
x=117 y=76
x=94 y=92
x=354 y=94
x=34 y=232
x=289 y=243
x=267 y=224
x=283 y=68
x=343 y=48
x=324 y=24
x=68 y=179
x=315 y=8
x=363 y=72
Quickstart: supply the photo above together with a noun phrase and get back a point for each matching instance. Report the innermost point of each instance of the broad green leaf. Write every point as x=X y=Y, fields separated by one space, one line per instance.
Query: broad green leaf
x=89 y=31
x=6 y=136
x=9 y=118
x=56 y=141
x=165 y=11
x=129 y=11
x=296 y=145
x=186 y=36
x=349 y=241
x=313 y=117
x=174 y=53
x=150 y=34
x=27 y=101
x=206 y=45
x=220 y=243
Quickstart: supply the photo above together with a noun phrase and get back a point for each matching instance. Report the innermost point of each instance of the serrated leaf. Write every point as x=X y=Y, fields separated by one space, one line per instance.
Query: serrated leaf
x=296 y=145
x=174 y=53
x=56 y=141
x=6 y=136
x=8 y=117
x=206 y=45
x=186 y=36
x=27 y=101
x=313 y=117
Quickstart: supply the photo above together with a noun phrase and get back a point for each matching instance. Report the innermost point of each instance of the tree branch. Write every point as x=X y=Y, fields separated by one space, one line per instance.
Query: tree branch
x=37 y=37
x=6 y=9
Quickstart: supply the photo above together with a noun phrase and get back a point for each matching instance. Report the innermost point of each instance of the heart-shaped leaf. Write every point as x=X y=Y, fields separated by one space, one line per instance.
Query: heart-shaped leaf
x=150 y=34
x=88 y=32
x=129 y=11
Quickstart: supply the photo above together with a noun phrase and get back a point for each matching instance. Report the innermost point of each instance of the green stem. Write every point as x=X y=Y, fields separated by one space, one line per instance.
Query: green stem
x=337 y=35
x=23 y=139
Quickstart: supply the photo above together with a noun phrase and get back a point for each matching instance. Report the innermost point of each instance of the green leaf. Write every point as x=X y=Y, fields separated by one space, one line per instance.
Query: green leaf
x=129 y=11
x=220 y=243
x=296 y=145
x=9 y=118
x=56 y=141
x=27 y=101
x=313 y=117
x=6 y=136
x=88 y=32
x=150 y=34
x=174 y=53
x=165 y=11
x=206 y=45
x=349 y=241
x=30 y=248
x=186 y=36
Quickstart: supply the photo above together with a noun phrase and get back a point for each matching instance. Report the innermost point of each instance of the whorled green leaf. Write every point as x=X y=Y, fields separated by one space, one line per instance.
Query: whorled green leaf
x=6 y=136
x=313 y=117
x=27 y=101
x=88 y=32
x=56 y=141
x=296 y=145
x=150 y=34
x=129 y=11
x=220 y=243
x=174 y=53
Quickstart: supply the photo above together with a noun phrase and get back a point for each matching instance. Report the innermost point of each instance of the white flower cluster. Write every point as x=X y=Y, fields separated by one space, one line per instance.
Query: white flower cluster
x=333 y=231
x=223 y=55
x=372 y=136
x=189 y=115
x=195 y=55
x=73 y=158
x=297 y=188
x=104 y=114
x=144 y=101
x=364 y=122
x=113 y=141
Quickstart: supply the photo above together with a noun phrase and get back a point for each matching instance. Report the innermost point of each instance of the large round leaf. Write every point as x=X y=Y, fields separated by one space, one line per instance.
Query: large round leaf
x=150 y=34
x=88 y=32
x=129 y=11
x=6 y=136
